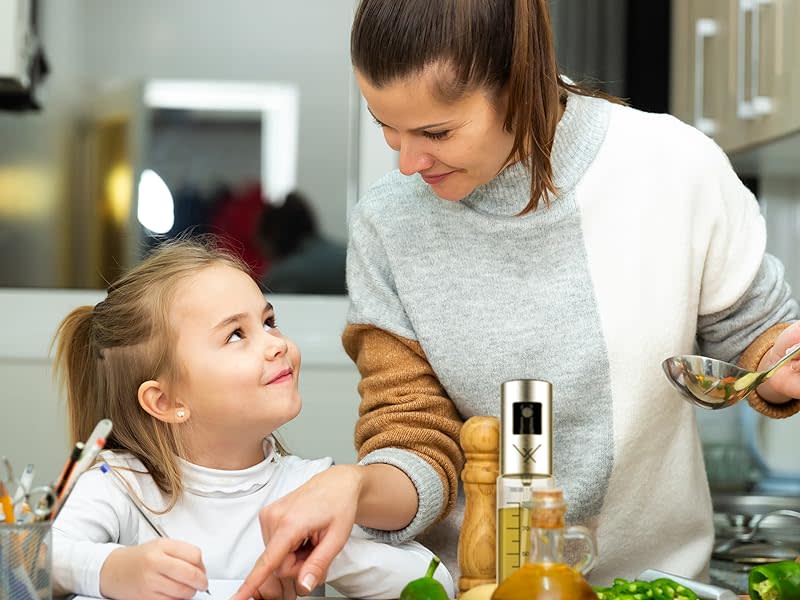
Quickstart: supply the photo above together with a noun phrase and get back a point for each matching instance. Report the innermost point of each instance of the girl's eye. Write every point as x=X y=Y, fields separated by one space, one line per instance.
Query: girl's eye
x=235 y=336
x=269 y=323
x=378 y=123
x=438 y=135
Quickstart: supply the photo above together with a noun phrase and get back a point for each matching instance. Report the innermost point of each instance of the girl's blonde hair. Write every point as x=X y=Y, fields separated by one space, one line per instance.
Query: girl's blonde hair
x=105 y=352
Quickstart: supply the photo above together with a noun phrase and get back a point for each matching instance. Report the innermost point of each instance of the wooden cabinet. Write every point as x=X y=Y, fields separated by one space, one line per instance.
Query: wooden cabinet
x=736 y=69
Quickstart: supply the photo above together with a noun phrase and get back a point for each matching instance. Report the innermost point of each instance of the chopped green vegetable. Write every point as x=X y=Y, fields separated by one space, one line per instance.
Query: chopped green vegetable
x=776 y=581
x=660 y=589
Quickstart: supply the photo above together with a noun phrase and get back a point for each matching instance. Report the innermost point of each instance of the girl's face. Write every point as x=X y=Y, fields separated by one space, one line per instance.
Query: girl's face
x=455 y=147
x=236 y=373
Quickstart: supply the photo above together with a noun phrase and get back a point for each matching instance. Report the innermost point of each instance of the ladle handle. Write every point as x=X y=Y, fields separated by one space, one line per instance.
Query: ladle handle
x=780 y=363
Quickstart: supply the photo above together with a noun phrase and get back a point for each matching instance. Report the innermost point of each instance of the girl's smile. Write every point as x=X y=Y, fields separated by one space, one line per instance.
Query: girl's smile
x=283 y=377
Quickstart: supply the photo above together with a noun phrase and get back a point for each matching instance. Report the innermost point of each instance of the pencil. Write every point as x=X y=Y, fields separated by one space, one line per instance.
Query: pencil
x=7 y=506
x=61 y=482
x=123 y=486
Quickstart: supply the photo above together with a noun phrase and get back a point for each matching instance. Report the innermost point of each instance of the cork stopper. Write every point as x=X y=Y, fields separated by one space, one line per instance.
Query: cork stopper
x=548 y=509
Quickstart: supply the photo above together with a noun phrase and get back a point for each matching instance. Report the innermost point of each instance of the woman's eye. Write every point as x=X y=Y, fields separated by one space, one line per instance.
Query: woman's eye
x=438 y=135
x=235 y=336
x=378 y=123
x=270 y=323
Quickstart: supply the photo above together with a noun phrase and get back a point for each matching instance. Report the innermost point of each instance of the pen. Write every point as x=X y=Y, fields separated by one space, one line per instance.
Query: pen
x=90 y=450
x=123 y=486
x=85 y=461
x=61 y=482
x=5 y=503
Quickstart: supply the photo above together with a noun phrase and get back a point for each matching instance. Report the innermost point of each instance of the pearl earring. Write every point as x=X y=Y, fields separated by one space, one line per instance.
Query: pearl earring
x=180 y=413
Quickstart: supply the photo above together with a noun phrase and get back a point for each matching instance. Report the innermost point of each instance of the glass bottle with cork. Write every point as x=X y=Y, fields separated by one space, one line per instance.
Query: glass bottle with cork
x=526 y=464
x=545 y=575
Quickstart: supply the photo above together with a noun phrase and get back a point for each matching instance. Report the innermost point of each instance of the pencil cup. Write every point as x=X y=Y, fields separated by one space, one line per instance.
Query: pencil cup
x=25 y=562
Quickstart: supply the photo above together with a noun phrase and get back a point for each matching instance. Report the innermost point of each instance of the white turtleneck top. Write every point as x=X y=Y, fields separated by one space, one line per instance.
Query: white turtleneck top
x=218 y=513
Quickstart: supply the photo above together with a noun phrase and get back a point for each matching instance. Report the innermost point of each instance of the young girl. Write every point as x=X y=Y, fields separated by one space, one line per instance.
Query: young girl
x=184 y=356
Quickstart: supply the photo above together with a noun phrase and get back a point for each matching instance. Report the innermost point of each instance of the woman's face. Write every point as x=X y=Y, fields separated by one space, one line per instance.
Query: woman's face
x=454 y=146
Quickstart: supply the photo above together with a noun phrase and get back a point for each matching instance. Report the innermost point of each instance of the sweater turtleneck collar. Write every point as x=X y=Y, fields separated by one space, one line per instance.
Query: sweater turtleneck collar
x=579 y=134
x=203 y=481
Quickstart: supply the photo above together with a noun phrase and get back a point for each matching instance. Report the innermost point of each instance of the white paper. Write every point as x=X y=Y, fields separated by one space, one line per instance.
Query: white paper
x=220 y=589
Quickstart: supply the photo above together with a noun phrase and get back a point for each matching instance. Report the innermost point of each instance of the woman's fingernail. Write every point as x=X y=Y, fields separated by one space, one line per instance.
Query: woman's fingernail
x=792 y=349
x=309 y=582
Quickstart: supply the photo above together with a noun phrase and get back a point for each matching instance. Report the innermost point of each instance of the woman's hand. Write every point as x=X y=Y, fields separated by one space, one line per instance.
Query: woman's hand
x=306 y=529
x=785 y=383
x=275 y=588
x=163 y=569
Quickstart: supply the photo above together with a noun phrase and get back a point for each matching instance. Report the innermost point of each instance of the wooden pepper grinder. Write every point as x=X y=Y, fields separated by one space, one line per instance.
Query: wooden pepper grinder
x=480 y=438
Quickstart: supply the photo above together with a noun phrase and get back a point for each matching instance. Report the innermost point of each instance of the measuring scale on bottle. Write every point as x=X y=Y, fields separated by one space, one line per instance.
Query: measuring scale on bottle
x=526 y=463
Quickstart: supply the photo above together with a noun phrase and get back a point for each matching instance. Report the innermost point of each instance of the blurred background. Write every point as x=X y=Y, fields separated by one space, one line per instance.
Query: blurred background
x=125 y=122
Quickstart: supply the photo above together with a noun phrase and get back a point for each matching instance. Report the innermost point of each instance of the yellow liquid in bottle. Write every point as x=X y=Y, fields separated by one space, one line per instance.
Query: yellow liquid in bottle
x=513 y=527
x=544 y=581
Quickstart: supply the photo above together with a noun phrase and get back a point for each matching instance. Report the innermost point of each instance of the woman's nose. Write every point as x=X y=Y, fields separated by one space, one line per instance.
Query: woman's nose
x=413 y=159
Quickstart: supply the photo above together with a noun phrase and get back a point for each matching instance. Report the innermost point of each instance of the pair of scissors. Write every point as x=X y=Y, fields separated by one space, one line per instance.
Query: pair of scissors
x=37 y=504
x=41 y=501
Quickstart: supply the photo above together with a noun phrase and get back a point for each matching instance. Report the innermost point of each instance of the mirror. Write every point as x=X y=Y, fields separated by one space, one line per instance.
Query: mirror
x=237 y=119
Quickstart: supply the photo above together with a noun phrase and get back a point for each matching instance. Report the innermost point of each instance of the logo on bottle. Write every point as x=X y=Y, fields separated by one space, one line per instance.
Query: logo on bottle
x=527 y=453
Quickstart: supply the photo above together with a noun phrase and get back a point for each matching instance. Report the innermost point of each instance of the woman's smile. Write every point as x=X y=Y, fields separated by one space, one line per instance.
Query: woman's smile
x=434 y=179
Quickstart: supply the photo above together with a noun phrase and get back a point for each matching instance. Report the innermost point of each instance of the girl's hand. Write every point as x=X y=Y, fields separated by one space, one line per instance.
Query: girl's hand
x=785 y=383
x=305 y=530
x=162 y=569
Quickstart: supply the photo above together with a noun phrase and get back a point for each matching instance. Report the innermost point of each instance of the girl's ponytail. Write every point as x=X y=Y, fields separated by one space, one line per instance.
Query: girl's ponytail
x=75 y=364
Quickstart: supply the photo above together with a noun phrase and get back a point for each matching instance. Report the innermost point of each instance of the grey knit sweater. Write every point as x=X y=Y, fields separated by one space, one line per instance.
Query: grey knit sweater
x=653 y=247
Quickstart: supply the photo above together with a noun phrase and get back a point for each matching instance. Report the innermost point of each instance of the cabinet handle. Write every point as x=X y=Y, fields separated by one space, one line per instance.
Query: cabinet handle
x=758 y=105
x=703 y=28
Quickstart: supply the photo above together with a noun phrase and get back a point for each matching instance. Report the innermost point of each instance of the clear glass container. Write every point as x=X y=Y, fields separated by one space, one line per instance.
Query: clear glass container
x=514 y=498
x=545 y=575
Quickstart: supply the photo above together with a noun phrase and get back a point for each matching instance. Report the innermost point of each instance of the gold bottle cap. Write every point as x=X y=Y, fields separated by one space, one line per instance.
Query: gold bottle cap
x=548 y=509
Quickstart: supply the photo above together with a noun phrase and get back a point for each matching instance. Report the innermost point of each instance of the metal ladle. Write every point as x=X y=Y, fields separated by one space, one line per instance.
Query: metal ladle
x=716 y=384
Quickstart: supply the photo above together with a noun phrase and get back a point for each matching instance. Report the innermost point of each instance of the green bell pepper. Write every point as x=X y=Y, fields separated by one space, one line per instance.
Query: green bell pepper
x=775 y=581
x=425 y=588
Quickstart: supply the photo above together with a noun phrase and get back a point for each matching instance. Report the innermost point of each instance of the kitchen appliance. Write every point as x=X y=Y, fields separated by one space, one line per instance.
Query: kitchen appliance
x=751 y=530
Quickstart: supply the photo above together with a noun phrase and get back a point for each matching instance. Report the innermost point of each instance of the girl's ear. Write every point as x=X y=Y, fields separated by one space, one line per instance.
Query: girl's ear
x=154 y=401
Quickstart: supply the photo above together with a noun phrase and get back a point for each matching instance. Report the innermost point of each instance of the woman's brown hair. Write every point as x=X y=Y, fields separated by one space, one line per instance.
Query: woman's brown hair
x=479 y=44
x=105 y=352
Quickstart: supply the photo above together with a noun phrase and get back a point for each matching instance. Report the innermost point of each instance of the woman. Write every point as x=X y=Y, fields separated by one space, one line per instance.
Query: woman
x=534 y=230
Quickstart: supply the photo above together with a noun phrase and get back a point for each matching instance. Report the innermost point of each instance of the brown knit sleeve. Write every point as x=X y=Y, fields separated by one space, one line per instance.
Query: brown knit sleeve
x=403 y=405
x=750 y=359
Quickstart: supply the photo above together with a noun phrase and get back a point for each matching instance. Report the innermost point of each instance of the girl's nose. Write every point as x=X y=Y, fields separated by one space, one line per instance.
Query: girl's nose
x=274 y=347
x=413 y=159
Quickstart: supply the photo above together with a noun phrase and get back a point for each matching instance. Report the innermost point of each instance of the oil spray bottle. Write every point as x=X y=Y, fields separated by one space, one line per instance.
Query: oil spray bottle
x=526 y=463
